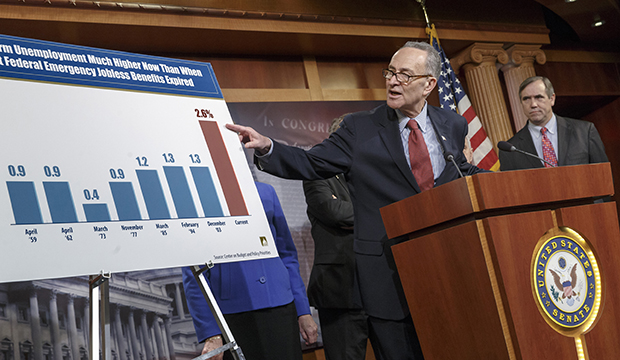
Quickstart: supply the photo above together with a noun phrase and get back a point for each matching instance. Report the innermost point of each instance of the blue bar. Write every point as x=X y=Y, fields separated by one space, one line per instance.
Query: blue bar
x=96 y=212
x=60 y=202
x=153 y=194
x=125 y=201
x=206 y=191
x=24 y=201
x=181 y=195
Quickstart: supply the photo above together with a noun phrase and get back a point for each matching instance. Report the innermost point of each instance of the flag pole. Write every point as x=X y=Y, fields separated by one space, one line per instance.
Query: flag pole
x=423 y=4
x=430 y=28
x=453 y=97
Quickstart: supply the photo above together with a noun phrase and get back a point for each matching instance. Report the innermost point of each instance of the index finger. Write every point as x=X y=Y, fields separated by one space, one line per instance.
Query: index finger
x=235 y=127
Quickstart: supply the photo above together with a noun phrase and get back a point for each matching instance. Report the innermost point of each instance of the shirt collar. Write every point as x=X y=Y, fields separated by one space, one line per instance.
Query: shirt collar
x=422 y=119
x=552 y=126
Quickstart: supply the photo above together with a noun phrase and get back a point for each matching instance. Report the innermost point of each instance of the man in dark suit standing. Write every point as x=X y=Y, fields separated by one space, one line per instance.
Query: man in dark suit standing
x=333 y=287
x=560 y=141
x=392 y=152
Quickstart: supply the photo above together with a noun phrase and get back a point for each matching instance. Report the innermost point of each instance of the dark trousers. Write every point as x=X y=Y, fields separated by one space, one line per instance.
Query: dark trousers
x=266 y=334
x=394 y=339
x=345 y=333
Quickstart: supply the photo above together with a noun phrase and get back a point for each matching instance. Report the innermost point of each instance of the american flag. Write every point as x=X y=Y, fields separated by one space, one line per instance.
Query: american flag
x=452 y=96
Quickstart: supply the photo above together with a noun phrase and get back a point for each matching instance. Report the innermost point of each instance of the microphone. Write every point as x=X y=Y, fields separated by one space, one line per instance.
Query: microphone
x=506 y=146
x=449 y=157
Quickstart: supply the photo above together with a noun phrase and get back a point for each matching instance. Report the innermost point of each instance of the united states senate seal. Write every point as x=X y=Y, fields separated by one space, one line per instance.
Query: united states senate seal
x=566 y=281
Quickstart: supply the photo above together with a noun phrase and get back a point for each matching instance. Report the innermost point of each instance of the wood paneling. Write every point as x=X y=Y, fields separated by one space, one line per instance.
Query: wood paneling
x=514 y=238
x=582 y=79
x=177 y=30
x=235 y=73
x=599 y=224
x=607 y=121
x=347 y=74
x=438 y=269
x=397 y=217
x=516 y=11
x=354 y=94
x=288 y=79
x=581 y=56
x=450 y=295
x=492 y=192
x=509 y=189
x=265 y=95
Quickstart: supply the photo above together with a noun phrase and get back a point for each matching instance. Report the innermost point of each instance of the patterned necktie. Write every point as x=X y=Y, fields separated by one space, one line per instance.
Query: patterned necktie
x=418 y=156
x=548 y=152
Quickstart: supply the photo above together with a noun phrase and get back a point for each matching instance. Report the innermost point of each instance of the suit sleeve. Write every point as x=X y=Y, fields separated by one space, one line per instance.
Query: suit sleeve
x=324 y=205
x=202 y=317
x=331 y=157
x=285 y=245
x=505 y=161
x=595 y=146
x=467 y=168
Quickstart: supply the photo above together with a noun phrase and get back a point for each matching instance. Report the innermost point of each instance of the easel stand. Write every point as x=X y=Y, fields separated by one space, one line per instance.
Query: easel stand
x=99 y=299
x=227 y=336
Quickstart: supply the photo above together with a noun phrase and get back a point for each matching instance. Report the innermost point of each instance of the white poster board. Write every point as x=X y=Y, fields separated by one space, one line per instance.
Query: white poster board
x=113 y=162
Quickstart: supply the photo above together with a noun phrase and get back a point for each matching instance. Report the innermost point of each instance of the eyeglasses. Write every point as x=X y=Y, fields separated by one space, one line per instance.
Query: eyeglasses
x=402 y=77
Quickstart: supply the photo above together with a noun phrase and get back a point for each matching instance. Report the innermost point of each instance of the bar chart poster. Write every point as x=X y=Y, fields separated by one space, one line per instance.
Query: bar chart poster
x=115 y=162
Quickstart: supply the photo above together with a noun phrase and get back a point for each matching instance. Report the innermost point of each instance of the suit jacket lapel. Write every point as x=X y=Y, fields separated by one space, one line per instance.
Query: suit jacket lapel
x=440 y=125
x=564 y=132
x=444 y=134
x=390 y=134
x=527 y=144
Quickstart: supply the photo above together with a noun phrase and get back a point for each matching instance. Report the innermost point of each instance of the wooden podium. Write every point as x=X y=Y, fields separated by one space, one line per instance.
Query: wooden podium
x=466 y=268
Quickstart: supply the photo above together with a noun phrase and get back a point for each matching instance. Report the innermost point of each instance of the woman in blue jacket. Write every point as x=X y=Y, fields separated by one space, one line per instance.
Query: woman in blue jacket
x=263 y=301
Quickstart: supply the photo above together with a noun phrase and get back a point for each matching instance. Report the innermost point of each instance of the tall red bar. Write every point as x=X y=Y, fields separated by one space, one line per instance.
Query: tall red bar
x=224 y=169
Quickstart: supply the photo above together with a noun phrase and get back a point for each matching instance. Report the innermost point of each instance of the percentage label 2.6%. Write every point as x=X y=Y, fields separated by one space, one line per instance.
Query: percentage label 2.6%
x=203 y=113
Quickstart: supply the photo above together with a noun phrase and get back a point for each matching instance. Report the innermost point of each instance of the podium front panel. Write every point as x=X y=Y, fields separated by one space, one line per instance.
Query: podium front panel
x=468 y=282
x=599 y=224
x=450 y=295
x=513 y=239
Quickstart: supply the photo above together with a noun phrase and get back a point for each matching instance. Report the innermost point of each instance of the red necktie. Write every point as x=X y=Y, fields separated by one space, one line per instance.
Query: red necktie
x=418 y=156
x=548 y=152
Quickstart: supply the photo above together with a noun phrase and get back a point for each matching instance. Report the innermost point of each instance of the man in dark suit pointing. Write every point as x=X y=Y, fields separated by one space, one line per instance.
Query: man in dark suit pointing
x=559 y=140
x=387 y=154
